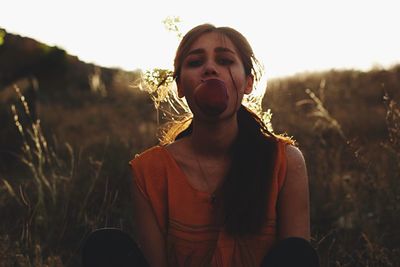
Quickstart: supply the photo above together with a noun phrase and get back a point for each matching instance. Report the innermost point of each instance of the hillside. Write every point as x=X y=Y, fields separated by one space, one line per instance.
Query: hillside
x=72 y=98
x=352 y=97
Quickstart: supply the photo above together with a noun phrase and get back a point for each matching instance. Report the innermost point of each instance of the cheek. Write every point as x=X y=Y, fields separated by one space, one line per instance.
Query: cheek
x=186 y=88
x=238 y=82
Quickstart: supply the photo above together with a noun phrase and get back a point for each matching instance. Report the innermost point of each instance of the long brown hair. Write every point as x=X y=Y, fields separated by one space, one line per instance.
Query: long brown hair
x=245 y=189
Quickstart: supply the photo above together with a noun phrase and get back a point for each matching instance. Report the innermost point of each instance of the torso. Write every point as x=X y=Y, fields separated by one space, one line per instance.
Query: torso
x=193 y=225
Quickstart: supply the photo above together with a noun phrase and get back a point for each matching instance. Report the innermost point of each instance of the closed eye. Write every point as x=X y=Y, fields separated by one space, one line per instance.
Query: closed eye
x=225 y=61
x=194 y=63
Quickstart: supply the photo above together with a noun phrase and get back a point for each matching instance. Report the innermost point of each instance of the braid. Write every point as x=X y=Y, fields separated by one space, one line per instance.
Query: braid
x=245 y=189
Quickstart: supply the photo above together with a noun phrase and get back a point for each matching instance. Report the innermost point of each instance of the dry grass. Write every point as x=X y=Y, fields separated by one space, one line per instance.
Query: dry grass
x=64 y=189
x=63 y=197
x=354 y=177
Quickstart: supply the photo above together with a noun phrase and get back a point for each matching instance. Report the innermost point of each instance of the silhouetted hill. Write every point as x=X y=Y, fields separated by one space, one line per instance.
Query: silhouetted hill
x=56 y=71
x=79 y=102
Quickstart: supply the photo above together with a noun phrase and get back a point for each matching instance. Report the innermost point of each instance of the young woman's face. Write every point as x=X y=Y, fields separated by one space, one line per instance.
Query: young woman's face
x=213 y=56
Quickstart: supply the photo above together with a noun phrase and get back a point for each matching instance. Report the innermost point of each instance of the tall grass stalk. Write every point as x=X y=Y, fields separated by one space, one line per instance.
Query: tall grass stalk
x=62 y=198
x=357 y=190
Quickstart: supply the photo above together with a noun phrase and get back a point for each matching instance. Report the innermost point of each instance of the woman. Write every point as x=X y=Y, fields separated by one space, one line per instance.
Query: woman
x=226 y=191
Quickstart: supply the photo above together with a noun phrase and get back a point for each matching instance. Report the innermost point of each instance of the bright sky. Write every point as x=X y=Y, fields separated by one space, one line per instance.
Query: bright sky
x=288 y=36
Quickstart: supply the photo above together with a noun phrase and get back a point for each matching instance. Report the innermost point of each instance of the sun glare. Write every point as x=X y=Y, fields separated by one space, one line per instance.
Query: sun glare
x=288 y=36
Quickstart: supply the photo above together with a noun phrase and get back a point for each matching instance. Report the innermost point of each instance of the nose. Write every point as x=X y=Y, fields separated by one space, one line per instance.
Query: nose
x=210 y=69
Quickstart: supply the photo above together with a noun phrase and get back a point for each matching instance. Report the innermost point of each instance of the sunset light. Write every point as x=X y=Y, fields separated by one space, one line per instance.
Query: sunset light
x=288 y=36
x=110 y=156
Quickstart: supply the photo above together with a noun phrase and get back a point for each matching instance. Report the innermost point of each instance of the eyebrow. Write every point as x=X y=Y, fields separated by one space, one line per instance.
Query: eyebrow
x=217 y=49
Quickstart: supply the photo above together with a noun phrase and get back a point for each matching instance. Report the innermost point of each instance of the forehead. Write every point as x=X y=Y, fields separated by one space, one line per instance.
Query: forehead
x=211 y=41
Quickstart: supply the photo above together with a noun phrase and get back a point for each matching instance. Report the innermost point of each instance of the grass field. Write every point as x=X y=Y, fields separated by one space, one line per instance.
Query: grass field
x=72 y=172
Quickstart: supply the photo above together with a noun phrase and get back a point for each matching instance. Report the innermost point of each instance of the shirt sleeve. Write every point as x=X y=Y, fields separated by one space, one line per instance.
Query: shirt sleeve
x=138 y=176
x=282 y=164
x=150 y=176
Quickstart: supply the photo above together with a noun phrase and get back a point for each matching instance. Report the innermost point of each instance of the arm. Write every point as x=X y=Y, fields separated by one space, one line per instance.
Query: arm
x=149 y=237
x=293 y=202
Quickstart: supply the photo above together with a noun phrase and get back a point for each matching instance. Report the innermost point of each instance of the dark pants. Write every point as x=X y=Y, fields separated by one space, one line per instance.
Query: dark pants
x=110 y=247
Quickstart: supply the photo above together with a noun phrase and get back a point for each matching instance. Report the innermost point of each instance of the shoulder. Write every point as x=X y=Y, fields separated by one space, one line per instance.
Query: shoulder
x=149 y=169
x=290 y=163
x=177 y=146
x=296 y=171
x=285 y=145
x=149 y=162
x=288 y=151
x=293 y=155
x=148 y=154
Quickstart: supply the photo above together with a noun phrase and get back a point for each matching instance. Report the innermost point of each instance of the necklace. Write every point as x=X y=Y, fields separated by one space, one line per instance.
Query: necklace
x=213 y=197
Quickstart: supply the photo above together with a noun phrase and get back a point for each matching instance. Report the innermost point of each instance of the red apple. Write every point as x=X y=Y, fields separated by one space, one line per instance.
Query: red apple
x=212 y=97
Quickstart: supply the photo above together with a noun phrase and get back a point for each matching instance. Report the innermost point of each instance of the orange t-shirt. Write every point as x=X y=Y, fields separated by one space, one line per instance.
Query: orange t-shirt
x=191 y=223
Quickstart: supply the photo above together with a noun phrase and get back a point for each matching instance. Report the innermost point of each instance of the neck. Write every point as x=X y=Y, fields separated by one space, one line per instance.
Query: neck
x=214 y=139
